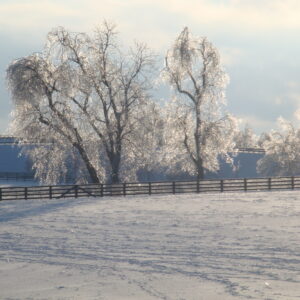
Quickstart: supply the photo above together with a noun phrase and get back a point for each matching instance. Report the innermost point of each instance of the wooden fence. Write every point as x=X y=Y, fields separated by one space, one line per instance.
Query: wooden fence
x=149 y=188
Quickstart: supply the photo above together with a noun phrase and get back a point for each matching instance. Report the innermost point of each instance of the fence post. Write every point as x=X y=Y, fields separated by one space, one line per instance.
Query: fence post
x=198 y=186
x=245 y=184
x=25 y=193
x=0 y=194
x=124 y=189
x=269 y=184
x=101 y=190
x=293 y=182
x=50 y=191
x=76 y=191
x=149 y=188
x=222 y=185
x=173 y=187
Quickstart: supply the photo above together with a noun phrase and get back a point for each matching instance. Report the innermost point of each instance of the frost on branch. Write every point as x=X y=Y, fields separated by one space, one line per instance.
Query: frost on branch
x=79 y=101
x=199 y=129
x=282 y=148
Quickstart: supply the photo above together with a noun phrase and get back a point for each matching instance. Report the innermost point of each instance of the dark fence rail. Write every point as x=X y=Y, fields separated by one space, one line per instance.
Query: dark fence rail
x=149 y=188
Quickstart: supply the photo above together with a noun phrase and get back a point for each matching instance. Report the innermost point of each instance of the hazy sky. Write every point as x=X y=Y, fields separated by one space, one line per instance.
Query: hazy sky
x=258 y=41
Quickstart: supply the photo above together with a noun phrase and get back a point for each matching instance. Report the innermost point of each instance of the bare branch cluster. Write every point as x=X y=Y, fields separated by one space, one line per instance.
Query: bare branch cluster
x=202 y=130
x=82 y=93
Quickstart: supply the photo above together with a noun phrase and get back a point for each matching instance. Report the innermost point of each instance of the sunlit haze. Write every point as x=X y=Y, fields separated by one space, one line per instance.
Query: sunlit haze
x=258 y=42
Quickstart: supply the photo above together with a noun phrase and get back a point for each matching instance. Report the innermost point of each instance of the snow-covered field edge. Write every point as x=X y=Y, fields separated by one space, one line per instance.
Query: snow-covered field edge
x=192 y=246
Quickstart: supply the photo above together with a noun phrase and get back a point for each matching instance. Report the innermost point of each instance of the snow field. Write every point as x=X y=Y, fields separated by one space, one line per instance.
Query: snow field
x=207 y=246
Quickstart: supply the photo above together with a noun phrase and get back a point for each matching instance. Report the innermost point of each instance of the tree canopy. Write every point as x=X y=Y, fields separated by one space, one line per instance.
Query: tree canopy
x=202 y=130
x=85 y=101
x=81 y=99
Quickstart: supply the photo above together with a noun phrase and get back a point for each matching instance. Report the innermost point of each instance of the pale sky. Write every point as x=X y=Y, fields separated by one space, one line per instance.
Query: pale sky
x=258 y=41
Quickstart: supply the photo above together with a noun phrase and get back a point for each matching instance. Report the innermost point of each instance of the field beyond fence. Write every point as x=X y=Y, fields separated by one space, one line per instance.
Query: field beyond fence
x=149 y=188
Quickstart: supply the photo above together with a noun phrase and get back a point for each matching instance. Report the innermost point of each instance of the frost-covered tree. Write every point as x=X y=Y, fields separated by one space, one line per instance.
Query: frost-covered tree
x=199 y=130
x=246 y=138
x=148 y=146
x=282 y=151
x=80 y=101
x=264 y=136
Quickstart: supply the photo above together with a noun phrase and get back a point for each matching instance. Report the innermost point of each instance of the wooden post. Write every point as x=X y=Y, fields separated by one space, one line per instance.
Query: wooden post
x=198 y=186
x=174 y=187
x=245 y=184
x=293 y=182
x=50 y=191
x=101 y=190
x=149 y=188
x=222 y=185
x=25 y=193
x=124 y=189
x=76 y=191
x=269 y=183
x=0 y=194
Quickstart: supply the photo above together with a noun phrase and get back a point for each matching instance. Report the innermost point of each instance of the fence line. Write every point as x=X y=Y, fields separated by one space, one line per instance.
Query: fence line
x=149 y=188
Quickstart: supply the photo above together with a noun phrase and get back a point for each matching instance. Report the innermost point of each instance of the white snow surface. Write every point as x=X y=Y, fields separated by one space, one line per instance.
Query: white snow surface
x=196 y=246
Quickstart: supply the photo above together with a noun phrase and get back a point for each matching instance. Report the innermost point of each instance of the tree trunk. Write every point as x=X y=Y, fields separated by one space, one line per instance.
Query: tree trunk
x=115 y=168
x=197 y=135
x=90 y=168
x=200 y=170
x=114 y=177
x=114 y=159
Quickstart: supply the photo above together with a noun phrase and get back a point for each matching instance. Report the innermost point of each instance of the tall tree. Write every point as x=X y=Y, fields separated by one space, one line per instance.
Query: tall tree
x=82 y=96
x=200 y=130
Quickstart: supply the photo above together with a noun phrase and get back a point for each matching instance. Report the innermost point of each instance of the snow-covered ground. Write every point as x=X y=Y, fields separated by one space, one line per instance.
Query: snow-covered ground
x=207 y=246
